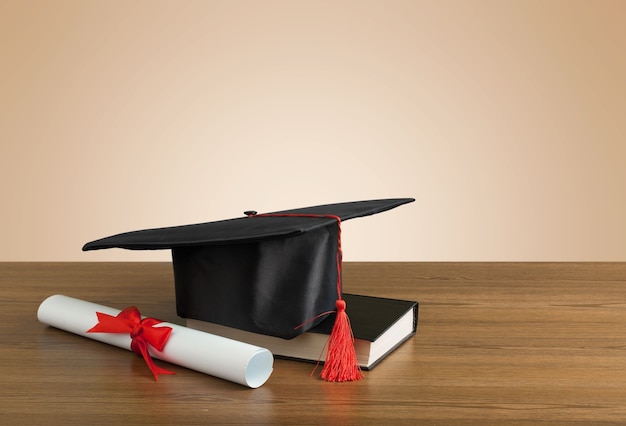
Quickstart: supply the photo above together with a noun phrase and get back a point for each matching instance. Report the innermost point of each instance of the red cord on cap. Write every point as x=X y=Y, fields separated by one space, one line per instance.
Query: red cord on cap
x=341 y=364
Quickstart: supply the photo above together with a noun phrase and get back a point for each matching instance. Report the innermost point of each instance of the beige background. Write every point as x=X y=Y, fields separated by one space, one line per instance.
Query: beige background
x=504 y=119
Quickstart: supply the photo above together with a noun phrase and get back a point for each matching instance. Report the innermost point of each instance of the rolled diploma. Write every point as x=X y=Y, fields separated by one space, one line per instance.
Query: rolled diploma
x=217 y=356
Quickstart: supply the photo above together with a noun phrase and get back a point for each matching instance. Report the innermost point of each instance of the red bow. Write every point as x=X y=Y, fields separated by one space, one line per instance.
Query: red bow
x=141 y=332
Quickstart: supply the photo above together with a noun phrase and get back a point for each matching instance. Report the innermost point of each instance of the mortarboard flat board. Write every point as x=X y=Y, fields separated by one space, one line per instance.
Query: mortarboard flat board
x=267 y=273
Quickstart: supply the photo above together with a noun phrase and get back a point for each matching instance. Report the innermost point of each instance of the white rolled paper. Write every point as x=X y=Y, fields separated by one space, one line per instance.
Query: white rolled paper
x=217 y=356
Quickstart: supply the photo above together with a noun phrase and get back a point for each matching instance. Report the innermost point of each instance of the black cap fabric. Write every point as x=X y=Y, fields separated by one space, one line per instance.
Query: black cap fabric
x=242 y=230
x=264 y=274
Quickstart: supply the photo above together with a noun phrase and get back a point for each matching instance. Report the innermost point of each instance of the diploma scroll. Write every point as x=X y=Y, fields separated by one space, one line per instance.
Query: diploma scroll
x=217 y=356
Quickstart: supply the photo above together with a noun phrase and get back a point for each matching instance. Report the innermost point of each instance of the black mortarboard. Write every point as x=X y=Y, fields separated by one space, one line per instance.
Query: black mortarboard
x=266 y=273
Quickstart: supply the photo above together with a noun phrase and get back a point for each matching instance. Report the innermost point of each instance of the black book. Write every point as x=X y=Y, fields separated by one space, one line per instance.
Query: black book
x=379 y=326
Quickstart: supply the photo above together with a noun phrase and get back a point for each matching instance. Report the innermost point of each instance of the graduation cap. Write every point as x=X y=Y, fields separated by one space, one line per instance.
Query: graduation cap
x=275 y=273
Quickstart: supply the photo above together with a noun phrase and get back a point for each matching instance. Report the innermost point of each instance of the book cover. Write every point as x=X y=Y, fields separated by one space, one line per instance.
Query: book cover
x=379 y=326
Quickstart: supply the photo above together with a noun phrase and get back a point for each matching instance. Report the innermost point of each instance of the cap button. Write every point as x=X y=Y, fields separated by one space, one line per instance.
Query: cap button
x=250 y=213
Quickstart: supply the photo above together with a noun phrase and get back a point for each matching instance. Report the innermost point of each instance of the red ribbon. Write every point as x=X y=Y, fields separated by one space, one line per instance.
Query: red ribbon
x=142 y=333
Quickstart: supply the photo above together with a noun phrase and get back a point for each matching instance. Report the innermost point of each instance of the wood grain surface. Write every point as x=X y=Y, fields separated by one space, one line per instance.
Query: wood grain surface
x=497 y=343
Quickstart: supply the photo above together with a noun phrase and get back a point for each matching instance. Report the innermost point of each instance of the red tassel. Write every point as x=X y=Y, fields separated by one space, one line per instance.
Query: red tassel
x=341 y=364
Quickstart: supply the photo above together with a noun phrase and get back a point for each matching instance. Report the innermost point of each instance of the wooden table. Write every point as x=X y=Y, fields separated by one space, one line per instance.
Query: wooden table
x=497 y=343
